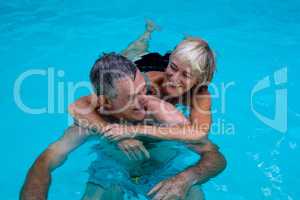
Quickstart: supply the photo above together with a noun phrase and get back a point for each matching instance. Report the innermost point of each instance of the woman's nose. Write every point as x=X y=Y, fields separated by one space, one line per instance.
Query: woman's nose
x=175 y=77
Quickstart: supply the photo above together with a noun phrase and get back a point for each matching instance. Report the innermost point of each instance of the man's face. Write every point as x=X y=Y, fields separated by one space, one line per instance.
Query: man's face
x=126 y=105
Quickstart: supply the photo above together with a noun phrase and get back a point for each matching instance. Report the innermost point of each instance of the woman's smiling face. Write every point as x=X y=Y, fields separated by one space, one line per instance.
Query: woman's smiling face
x=180 y=77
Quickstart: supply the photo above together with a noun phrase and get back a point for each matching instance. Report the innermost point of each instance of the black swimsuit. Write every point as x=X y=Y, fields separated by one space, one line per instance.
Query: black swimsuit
x=153 y=62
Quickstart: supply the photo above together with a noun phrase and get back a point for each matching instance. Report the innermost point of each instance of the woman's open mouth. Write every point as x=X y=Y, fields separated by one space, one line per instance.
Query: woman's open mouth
x=173 y=85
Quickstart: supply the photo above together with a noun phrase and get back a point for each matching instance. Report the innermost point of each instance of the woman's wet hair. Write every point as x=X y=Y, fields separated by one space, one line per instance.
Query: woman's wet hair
x=107 y=70
x=197 y=53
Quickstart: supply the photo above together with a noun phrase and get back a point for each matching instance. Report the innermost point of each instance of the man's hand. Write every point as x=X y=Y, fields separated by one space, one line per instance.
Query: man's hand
x=134 y=149
x=175 y=188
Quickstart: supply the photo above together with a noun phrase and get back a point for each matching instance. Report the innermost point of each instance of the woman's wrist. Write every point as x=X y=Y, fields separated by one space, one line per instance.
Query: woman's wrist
x=135 y=130
x=139 y=130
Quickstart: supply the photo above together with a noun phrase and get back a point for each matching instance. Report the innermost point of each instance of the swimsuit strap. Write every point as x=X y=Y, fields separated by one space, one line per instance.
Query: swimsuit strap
x=184 y=109
x=148 y=83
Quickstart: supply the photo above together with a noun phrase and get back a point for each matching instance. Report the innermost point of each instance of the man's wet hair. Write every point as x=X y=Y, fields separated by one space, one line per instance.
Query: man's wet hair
x=107 y=70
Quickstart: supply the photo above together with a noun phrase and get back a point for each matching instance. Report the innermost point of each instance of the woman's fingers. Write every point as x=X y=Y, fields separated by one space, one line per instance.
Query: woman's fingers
x=125 y=150
x=144 y=150
x=134 y=147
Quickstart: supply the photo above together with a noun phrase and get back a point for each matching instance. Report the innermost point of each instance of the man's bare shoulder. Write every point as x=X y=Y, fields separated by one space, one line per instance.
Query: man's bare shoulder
x=155 y=74
x=156 y=77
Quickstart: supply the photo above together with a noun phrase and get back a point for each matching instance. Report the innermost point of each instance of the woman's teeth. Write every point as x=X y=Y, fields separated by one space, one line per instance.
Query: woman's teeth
x=174 y=84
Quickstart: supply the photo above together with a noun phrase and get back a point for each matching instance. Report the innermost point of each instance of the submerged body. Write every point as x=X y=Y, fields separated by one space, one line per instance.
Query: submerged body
x=112 y=168
x=137 y=177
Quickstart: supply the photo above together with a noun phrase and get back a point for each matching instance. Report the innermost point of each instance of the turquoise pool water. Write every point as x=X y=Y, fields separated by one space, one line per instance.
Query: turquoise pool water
x=253 y=39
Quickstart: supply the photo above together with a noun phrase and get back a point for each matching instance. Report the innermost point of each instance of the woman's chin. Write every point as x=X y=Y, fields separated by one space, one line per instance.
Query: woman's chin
x=173 y=91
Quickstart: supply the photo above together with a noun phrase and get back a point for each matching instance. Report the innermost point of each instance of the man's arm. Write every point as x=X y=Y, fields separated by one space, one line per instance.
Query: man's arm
x=39 y=176
x=212 y=161
x=211 y=164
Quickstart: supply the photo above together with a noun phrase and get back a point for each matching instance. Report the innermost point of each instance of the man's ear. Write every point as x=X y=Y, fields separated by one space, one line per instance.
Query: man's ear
x=104 y=102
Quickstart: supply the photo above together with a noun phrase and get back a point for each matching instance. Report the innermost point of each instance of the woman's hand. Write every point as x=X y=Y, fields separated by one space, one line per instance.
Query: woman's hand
x=116 y=132
x=134 y=149
x=85 y=112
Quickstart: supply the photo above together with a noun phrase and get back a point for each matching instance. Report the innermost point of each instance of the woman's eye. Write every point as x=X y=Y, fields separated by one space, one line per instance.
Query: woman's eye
x=187 y=75
x=173 y=67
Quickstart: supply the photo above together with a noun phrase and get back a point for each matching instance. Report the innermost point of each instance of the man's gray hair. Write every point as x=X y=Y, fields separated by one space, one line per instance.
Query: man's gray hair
x=108 y=69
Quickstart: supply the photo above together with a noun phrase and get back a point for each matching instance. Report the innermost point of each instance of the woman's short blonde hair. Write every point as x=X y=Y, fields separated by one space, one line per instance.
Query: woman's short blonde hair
x=198 y=54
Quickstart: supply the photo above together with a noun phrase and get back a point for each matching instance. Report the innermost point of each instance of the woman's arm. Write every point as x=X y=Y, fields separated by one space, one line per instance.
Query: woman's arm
x=194 y=132
x=84 y=111
x=163 y=112
x=184 y=133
